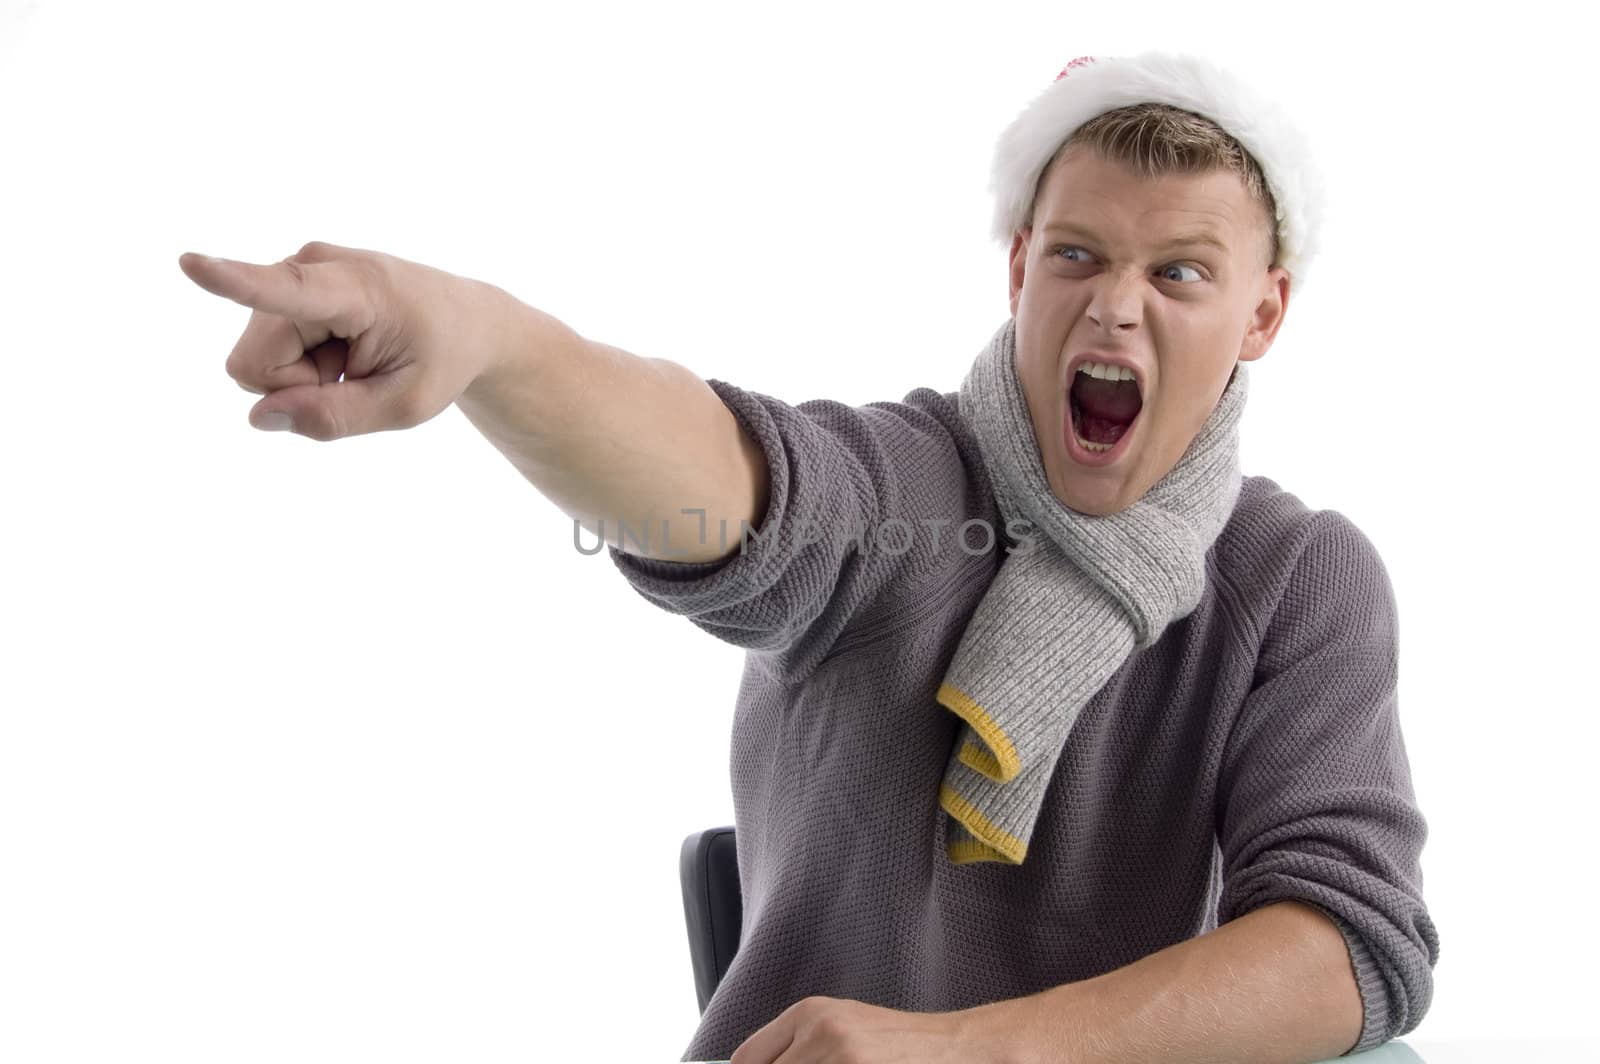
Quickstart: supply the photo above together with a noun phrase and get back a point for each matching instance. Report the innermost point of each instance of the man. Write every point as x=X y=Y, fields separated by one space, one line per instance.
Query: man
x=1059 y=739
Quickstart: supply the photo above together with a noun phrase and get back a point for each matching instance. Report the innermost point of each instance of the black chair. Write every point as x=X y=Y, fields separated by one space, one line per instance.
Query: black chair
x=708 y=865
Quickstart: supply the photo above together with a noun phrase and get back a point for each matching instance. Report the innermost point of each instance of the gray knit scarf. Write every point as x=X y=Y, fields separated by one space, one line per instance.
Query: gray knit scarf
x=1068 y=606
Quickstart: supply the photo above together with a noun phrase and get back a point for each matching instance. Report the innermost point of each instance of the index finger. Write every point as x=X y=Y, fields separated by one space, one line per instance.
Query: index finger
x=325 y=293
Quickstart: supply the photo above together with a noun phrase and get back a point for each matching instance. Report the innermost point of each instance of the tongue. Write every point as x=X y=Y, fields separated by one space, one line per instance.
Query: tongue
x=1105 y=408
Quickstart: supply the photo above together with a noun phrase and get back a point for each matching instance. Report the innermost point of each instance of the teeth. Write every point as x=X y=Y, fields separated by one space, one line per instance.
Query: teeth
x=1105 y=372
x=1097 y=447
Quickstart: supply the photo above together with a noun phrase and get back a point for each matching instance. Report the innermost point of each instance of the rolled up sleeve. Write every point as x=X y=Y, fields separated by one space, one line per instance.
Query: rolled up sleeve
x=836 y=473
x=1315 y=800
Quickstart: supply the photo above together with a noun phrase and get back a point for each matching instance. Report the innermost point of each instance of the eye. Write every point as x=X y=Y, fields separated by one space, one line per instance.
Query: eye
x=1058 y=249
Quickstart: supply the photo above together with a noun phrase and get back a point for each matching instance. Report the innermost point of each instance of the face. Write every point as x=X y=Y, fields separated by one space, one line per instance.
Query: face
x=1121 y=288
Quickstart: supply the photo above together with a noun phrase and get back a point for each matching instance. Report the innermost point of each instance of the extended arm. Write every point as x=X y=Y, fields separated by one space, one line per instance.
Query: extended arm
x=608 y=435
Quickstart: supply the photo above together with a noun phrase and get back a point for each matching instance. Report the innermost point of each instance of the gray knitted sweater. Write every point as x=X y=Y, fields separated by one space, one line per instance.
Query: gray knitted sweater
x=1253 y=753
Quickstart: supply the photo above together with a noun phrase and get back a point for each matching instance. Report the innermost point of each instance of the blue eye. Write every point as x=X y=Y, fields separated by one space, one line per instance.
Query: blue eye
x=1073 y=247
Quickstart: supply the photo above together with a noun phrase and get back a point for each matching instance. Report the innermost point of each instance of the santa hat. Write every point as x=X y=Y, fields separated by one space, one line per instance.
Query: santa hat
x=1091 y=85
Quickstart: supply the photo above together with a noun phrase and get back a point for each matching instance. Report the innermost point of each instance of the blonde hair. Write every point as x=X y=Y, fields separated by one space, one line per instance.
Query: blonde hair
x=1157 y=139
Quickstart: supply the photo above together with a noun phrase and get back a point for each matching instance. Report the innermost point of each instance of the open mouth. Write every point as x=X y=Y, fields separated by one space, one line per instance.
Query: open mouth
x=1105 y=402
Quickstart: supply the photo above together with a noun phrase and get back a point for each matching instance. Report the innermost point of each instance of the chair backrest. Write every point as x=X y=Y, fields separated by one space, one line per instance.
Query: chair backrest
x=708 y=865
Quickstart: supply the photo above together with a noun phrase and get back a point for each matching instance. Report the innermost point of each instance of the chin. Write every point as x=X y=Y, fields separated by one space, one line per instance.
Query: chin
x=1091 y=499
x=1105 y=509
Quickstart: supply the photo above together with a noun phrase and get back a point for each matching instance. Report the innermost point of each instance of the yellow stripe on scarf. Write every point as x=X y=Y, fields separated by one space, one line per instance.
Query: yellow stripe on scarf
x=991 y=843
x=1000 y=762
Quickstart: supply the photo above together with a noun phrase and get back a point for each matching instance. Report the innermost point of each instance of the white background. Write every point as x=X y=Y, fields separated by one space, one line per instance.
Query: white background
x=341 y=751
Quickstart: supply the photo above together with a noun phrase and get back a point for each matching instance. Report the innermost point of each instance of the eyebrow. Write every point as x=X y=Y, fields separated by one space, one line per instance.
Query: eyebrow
x=1194 y=237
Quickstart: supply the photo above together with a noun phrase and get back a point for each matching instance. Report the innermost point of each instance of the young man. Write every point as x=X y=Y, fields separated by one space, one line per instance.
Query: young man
x=1058 y=739
x=1174 y=709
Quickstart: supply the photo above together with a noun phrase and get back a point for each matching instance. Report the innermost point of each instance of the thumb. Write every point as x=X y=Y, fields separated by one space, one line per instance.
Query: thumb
x=326 y=293
x=336 y=409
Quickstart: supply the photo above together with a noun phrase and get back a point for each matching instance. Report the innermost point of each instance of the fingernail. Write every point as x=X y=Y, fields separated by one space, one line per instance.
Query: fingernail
x=277 y=421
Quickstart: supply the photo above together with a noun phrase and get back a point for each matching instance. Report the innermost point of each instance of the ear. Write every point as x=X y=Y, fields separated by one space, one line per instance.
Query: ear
x=1018 y=264
x=1268 y=315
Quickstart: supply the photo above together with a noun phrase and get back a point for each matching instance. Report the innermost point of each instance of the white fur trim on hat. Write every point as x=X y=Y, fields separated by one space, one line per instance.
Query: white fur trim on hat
x=1091 y=85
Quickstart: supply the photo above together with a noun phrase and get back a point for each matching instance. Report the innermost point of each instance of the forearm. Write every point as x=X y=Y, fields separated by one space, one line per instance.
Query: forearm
x=1272 y=987
x=608 y=435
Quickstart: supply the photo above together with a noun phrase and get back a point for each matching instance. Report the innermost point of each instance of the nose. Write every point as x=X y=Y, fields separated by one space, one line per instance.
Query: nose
x=1115 y=304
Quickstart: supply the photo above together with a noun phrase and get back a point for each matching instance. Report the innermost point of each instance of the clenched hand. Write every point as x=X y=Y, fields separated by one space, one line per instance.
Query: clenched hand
x=343 y=341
